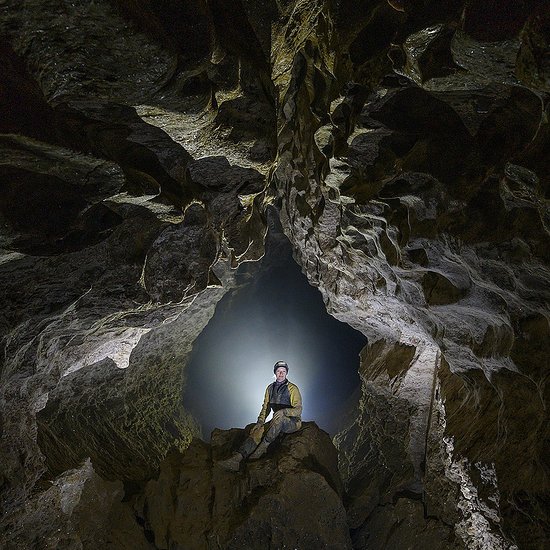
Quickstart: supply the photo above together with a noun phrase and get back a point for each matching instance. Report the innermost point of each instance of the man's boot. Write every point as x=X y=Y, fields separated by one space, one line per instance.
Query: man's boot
x=260 y=450
x=232 y=463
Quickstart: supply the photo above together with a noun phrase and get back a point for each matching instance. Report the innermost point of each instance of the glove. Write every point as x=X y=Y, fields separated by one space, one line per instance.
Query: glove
x=257 y=432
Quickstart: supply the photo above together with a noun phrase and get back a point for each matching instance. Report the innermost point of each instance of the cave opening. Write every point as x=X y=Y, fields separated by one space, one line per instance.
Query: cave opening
x=272 y=314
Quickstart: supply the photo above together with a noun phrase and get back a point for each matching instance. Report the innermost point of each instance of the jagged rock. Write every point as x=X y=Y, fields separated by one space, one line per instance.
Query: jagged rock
x=439 y=289
x=78 y=510
x=533 y=64
x=184 y=253
x=404 y=146
x=403 y=524
x=292 y=497
x=150 y=160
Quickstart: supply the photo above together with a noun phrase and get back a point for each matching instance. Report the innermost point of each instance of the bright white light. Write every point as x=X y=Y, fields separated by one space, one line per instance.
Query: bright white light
x=250 y=371
x=279 y=316
x=227 y=383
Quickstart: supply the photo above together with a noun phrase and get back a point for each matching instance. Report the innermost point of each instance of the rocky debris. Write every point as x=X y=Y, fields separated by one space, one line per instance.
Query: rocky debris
x=292 y=497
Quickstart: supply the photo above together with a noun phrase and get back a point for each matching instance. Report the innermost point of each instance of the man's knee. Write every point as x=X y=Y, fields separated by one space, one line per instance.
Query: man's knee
x=291 y=425
x=274 y=428
x=282 y=424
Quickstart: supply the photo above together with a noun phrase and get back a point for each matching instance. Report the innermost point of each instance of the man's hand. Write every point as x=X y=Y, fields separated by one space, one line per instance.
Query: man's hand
x=257 y=428
x=278 y=414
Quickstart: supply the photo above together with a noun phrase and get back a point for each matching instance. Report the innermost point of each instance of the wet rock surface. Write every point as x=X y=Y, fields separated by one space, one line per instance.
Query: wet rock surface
x=404 y=146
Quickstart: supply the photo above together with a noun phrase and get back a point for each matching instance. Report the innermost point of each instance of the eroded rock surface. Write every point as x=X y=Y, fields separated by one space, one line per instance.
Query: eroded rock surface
x=292 y=497
x=79 y=510
x=405 y=146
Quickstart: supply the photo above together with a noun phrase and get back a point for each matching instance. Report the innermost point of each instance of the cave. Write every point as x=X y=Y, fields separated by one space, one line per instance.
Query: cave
x=192 y=190
x=272 y=313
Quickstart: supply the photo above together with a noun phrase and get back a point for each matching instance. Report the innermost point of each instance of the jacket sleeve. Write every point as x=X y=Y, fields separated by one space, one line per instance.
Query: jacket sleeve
x=295 y=409
x=265 y=407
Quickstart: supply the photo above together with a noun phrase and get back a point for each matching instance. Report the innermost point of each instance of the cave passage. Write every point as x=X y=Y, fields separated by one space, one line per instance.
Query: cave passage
x=274 y=314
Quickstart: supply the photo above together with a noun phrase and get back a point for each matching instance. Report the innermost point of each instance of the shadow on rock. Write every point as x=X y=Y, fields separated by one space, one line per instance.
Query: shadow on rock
x=290 y=498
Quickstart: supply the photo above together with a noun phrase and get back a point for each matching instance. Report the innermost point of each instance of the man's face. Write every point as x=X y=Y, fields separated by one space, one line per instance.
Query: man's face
x=280 y=374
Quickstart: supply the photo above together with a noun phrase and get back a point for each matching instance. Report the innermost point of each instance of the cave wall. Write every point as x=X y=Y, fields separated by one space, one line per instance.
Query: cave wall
x=407 y=211
x=112 y=260
x=405 y=145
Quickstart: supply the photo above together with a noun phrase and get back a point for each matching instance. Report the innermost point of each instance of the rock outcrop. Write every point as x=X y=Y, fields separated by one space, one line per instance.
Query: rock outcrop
x=292 y=497
x=79 y=509
x=404 y=146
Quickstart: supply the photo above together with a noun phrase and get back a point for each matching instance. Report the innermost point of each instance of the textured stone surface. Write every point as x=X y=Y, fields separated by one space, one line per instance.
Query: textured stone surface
x=289 y=498
x=418 y=172
x=275 y=502
x=78 y=510
x=405 y=146
x=96 y=329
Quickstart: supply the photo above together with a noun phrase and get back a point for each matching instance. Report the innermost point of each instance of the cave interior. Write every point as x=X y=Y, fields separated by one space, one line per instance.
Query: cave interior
x=191 y=190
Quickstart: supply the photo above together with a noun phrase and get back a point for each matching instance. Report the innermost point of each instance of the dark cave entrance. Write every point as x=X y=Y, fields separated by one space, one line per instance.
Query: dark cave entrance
x=273 y=314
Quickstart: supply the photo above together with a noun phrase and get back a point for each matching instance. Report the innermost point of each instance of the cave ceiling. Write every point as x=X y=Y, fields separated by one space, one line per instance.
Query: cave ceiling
x=404 y=147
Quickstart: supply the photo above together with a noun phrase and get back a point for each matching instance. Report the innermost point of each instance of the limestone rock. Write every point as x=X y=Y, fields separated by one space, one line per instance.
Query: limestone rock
x=289 y=498
x=78 y=510
x=403 y=525
x=404 y=146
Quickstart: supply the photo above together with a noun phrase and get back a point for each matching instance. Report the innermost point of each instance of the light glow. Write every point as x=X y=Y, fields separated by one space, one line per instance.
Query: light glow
x=276 y=316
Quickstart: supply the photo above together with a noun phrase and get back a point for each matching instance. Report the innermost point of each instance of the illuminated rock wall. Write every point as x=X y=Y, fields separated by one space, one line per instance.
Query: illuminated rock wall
x=406 y=147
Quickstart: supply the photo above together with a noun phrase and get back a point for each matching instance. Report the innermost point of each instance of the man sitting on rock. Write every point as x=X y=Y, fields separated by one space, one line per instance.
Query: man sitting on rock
x=284 y=399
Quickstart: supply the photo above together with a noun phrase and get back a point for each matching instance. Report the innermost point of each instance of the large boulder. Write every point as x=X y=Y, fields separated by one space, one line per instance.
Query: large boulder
x=290 y=498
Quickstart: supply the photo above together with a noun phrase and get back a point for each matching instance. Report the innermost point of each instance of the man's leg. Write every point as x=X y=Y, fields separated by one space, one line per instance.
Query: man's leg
x=249 y=444
x=282 y=424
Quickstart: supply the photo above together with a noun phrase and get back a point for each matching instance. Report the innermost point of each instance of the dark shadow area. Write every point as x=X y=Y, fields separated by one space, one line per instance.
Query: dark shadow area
x=44 y=215
x=274 y=314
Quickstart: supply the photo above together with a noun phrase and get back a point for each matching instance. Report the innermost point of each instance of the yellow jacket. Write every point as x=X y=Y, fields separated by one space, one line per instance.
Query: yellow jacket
x=285 y=397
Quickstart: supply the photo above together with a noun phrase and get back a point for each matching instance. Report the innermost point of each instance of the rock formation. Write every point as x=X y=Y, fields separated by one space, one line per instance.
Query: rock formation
x=403 y=144
x=292 y=497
